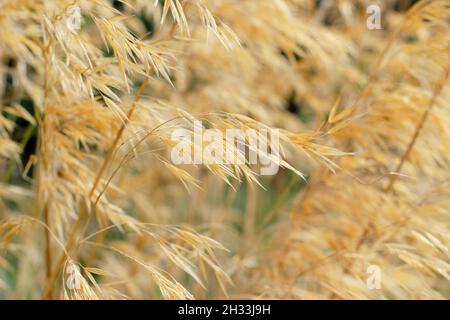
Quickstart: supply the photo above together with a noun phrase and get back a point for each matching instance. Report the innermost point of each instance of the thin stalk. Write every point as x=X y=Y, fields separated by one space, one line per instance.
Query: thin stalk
x=417 y=132
x=365 y=90
x=48 y=292
x=42 y=163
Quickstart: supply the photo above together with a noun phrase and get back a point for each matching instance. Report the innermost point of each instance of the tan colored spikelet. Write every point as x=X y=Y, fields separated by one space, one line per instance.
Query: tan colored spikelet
x=92 y=205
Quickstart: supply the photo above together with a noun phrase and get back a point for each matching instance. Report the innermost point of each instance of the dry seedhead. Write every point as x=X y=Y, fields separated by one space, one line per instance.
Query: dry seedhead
x=85 y=69
x=384 y=208
x=98 y=97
